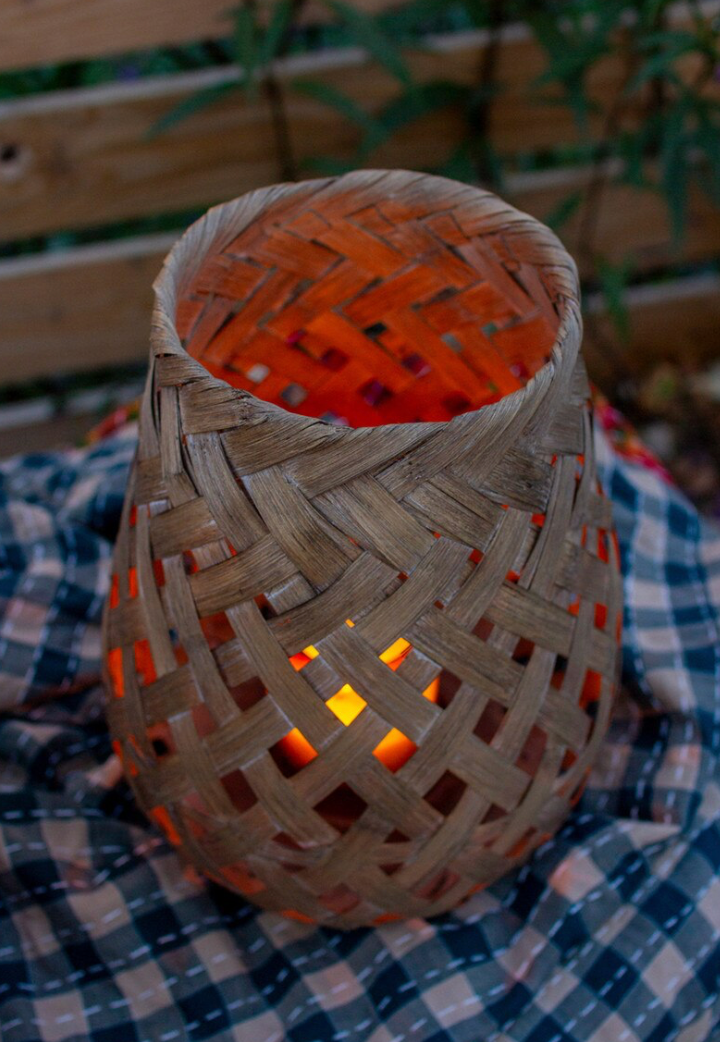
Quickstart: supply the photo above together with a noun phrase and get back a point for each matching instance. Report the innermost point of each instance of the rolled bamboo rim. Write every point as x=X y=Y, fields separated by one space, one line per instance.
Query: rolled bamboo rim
x=362 y=637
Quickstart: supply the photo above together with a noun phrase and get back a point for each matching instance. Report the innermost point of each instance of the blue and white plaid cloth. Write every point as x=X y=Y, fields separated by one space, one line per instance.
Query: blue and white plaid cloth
x=611 y=933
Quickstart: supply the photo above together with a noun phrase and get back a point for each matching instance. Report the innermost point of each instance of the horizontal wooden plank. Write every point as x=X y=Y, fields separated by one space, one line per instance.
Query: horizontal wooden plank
x=631 y=224
x=86 y=157
x=64 y=30
x=675 y=321
x=81 y=309
x=90 y=307
x=50 y=31
x=46 y=434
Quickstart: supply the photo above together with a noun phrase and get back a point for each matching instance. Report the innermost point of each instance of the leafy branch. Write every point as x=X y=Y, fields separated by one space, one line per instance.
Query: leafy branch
x=659 y=133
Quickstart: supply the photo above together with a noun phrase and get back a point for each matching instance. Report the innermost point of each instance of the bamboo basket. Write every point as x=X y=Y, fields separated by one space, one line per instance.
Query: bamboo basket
x=361 y=640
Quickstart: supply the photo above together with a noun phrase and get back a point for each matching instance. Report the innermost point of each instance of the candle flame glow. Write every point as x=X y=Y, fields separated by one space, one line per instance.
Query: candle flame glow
x=394 y=750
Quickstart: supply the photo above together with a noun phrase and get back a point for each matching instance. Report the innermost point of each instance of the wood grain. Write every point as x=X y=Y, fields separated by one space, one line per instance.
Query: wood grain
x=45 y=435
x=66 y=30
x=82 y=309
x=52 y=31
x=674 y=321
x=632 y=223
x=87 y=157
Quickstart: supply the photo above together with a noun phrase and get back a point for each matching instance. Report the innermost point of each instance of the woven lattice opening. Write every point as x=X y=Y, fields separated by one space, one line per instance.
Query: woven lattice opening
x=362 y=631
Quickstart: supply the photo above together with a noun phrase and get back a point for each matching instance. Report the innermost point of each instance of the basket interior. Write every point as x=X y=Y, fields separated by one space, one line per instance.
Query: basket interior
x=389 y=314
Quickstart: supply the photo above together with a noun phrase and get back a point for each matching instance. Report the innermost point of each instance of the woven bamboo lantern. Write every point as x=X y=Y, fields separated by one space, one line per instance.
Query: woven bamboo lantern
x=362 y=635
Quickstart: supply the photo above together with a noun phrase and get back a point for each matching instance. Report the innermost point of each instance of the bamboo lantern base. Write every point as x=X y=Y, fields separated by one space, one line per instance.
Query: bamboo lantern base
x=362 y=635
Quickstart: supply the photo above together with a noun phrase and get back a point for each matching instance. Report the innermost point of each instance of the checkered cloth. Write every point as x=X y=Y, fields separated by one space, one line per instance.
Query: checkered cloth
x=611 y=933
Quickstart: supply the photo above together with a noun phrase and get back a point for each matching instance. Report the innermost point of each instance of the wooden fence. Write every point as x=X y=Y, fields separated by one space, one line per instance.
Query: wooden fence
x=85 y=158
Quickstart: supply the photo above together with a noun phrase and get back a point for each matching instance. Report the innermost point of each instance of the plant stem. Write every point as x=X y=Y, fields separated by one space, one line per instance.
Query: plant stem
x=479 y=116
x=589 y=222
x=276 y=98
x=281 y=128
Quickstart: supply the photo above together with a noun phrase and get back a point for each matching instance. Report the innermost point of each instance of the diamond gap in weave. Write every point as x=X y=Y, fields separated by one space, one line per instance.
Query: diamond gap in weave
x=362 y=633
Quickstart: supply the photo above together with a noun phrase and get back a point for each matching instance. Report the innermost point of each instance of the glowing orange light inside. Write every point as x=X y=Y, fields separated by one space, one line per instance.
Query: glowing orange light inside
x=394 y=750
x=144 y=661
x=114 y=665
x=165 y=822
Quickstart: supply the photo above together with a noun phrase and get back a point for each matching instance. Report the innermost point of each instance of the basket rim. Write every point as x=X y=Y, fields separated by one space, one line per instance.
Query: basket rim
x=225 y=221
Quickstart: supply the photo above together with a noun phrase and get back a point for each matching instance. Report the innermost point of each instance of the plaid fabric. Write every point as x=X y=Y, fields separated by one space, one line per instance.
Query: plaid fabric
x=611 y=933
x=58 y=516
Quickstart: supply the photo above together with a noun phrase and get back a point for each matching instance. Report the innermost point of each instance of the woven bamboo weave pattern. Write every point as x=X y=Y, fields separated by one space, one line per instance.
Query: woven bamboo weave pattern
x=362 y=636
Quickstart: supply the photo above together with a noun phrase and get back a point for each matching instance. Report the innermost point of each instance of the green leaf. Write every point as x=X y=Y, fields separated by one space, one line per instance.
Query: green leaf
x=369 y=35
x=671 y=40
x=482 y=94
x=412 y=104
x=631 y=149
x=478 y=12
x=336 y=99
x=419 y=100
x=675 y=169
x=566 y=68
x=488 y=165
x=651 y=9
x=246 y=43
x=189 y=106
x=276 y=31
x=708 y=140
x=411 y=18
x=460 y=166
x=544 y=26
x=613 y=283
x=659 y=65
x=570 y=57
x=563 y=211
x=328 y=166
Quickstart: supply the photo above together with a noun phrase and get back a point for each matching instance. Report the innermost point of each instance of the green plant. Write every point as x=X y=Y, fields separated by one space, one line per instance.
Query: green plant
x=658 y=133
